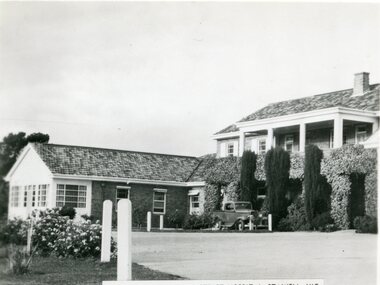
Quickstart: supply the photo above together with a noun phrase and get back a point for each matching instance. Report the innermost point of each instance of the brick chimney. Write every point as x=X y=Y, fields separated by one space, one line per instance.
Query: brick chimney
x=361 y=83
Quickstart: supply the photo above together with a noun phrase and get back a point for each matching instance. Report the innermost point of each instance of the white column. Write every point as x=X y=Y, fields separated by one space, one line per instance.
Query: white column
x=269 y=143
x=148 y=221
x=302 y=137
x=241 y=143
x=124 y=240
x=338 y=132
x=375 y=126
x=106 y=231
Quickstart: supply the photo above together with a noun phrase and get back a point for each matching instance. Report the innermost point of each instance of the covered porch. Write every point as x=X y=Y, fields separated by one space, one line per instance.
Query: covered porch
x=326 y=131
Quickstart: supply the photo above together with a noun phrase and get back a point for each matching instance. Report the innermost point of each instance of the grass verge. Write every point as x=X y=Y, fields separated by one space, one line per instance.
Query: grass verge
x=52 y=270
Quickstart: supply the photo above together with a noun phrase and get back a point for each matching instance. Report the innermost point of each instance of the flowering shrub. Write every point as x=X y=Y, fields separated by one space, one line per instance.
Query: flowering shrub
x=14 y=232
x=54 y=234
x=78 y=240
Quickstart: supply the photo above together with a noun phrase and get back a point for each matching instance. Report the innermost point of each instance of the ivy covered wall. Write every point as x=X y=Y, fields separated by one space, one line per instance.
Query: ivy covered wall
x=337 y=168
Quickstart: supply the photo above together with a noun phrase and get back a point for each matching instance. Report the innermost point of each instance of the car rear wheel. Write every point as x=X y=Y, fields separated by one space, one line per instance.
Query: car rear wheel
x=240 y=225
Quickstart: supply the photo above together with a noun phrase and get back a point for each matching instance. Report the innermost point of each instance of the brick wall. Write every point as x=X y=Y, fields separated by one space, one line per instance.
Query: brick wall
x=141 y=195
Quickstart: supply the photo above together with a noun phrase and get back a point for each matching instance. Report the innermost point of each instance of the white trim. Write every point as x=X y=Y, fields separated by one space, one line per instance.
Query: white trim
x=313 y=113
x=193 y=192
x=157 y=190
x=160 y=190
x=304 y=117
x=226 y=135
x=129 y=180
x=196 y=183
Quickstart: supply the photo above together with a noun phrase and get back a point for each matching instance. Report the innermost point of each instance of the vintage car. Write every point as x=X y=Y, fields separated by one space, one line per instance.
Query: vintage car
x=238 y=215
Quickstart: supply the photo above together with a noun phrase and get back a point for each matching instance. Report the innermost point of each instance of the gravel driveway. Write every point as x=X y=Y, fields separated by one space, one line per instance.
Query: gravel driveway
x=339 y=258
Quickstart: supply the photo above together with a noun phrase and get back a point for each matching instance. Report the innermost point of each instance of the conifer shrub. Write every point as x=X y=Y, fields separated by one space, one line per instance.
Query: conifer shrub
x=248 y=189
x=317 y=190
x=277 y=165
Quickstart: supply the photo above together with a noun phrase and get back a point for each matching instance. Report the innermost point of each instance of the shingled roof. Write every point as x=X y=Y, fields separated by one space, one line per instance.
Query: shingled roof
x=89 y=161
x=342 y=98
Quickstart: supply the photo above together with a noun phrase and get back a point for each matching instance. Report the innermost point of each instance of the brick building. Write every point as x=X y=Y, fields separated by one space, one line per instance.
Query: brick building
x=50 y=175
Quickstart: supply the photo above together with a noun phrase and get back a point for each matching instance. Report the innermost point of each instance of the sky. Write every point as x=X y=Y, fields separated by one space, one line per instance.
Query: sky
x=164 y=77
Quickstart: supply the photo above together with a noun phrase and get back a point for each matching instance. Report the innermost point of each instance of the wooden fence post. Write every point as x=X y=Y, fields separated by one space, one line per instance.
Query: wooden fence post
x=124 y=240
x=161 y=222
x=148 y=221
x=106 y=231
x=270 y=222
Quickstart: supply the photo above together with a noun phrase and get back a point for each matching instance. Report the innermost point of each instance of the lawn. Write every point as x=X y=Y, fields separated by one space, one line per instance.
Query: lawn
x=51 y=270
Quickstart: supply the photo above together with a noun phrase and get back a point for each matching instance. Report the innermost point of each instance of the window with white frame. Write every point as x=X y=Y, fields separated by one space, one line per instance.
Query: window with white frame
x=289 y=143
x=159 y=201
x=360 y=134
x=230 y=149
x=194 y=203
x=32 y=188
x=71 y=195
x=262 y=146
x=122 y=192
x=42 y=194
x=15 y=196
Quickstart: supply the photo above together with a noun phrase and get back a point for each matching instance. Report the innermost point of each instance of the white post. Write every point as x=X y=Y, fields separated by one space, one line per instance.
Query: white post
x=270 y=222
x=124 y=240
x=241 y=143
x=29 y=238
x=161 y=222
x=106 y=231
x=302 y=137
x=250 y=223
x=338 y=132
x=269 y=143
x=148 y=221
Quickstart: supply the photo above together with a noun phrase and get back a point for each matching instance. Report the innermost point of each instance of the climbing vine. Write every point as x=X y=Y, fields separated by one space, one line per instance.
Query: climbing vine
x=337 y=168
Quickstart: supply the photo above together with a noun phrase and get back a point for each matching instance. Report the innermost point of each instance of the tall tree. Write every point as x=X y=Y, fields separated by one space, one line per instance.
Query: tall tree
x=248 y=189
x=277 y=165
x=317 y=190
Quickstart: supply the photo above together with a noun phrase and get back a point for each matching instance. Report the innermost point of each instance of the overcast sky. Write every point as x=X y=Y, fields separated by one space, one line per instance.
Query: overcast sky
x=163 y=77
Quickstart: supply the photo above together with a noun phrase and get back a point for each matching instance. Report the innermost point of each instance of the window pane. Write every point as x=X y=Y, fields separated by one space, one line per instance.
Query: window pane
x=158 y=210
x=159 y=196
x=72 y=187
x=159 y=204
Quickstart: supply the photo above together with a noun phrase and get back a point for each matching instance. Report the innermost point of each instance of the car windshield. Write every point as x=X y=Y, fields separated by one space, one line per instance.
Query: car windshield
x=243 y=206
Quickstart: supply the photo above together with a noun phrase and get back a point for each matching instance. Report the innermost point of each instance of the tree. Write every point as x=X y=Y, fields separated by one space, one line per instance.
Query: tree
x=38 y=138
x=312 y=170
x=248 y=190
x=10 y=148
x=317 y=190
x=277 y=165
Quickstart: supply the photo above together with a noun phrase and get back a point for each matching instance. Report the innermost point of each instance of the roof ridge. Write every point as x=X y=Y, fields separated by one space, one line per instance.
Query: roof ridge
x=120 y=150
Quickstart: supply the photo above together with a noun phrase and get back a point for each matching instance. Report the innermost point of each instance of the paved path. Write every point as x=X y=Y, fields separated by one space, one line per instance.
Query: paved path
x=338 y=258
